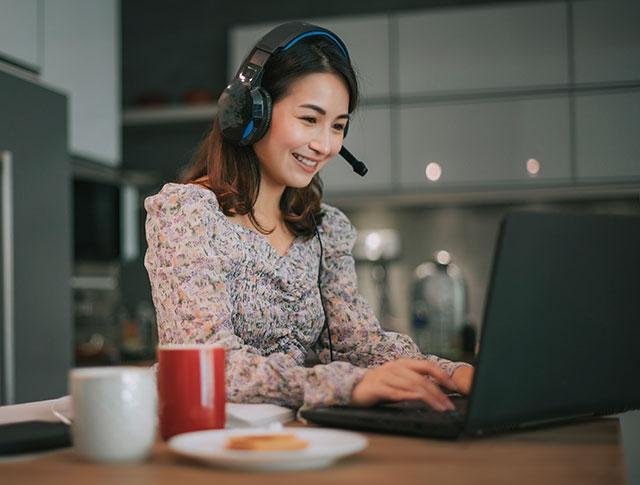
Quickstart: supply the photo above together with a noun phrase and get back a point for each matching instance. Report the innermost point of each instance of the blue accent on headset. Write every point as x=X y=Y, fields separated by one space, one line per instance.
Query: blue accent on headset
x=317 y=32
x=247 y=129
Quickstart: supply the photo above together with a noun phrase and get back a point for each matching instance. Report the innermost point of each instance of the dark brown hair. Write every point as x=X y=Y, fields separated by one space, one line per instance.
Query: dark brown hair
x=233 y=172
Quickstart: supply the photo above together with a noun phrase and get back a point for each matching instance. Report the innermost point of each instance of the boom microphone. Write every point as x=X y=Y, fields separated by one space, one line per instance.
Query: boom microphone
x=358 y=167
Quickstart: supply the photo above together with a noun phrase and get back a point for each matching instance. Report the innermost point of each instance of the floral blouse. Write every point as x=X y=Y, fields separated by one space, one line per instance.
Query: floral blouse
x=215 y=281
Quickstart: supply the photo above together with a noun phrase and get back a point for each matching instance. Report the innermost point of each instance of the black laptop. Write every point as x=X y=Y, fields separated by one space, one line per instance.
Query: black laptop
x=560 y=337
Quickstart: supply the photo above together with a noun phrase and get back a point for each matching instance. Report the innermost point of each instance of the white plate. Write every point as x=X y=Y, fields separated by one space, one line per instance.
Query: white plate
x=325 y=447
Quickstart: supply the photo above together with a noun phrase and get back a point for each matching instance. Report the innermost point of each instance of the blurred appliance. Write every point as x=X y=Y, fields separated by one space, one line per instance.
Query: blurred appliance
x=96 y=307
x=440 y=306
x=107 y=207
x=96 y=217
x=376 y=250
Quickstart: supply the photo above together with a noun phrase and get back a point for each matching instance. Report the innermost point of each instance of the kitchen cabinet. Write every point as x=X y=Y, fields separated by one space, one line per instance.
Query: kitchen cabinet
x=82 y=57
x=35 y=335
x=606 y=41
x=485 y=142
x=482 y=48
x=498 y=94
x=20 y=33
x=366 y=37
x=608 y=136
x=369 y=140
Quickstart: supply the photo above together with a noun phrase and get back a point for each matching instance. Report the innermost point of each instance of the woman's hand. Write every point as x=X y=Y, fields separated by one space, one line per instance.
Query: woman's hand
x=463 y=378
x=403 y=380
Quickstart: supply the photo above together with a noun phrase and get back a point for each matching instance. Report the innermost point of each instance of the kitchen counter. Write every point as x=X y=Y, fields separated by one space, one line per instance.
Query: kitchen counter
x=583 y=453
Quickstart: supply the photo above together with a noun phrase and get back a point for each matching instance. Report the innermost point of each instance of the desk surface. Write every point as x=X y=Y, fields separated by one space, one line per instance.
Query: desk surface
x=585 y=453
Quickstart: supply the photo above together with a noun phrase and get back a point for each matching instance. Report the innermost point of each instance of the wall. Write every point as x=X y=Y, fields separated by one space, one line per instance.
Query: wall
x=468 y=232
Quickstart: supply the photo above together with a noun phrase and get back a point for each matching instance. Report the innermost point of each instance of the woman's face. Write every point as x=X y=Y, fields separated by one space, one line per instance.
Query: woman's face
x=307 y=128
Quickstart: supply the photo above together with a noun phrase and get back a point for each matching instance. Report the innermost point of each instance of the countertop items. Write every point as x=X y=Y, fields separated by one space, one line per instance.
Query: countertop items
x=585 y=453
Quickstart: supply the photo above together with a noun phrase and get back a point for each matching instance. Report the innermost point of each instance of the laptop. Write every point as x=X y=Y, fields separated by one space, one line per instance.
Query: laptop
x=560 y=337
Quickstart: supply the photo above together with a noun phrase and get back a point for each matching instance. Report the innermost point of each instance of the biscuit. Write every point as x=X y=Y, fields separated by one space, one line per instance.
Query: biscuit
x=266 y=442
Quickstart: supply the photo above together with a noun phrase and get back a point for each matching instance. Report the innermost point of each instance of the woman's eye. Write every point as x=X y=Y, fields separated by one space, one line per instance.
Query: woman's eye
x=338 y=127
x=309 y=119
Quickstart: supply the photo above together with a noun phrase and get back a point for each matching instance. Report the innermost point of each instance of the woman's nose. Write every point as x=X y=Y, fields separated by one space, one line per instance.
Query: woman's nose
x=321 y=142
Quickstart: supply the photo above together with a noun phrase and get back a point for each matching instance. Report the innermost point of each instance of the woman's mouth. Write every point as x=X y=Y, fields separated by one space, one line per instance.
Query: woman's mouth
x=308 y=165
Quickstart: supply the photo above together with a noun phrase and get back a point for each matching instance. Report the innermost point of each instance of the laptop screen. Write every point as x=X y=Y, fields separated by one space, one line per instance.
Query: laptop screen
x=561 y=331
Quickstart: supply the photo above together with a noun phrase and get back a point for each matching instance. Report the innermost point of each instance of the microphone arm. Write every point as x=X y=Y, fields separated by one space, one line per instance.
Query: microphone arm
x=358 y=167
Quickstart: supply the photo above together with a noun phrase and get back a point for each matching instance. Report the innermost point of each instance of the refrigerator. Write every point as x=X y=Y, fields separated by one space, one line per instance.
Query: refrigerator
x=35 y=256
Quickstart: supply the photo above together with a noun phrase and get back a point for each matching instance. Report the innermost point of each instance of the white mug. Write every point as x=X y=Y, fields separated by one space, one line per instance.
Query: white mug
x=114 y=413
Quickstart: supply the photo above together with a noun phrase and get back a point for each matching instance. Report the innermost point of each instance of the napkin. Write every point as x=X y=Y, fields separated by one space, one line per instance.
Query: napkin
x=256 y=415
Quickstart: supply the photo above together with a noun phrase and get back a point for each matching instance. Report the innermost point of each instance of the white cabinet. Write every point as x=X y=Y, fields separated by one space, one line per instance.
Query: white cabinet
x=486 y=142
x=486 y=47
x=608 y=136
x=368 y=140
x=606 y=40
x=82 y=57
x=485 y=92
x=20 y=33
x=366 y=38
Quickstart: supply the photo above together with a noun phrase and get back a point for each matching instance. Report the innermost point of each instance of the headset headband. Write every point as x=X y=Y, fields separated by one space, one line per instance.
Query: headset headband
x=283 y=38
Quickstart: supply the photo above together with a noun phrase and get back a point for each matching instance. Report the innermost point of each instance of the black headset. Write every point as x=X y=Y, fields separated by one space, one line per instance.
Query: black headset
x=244 y=107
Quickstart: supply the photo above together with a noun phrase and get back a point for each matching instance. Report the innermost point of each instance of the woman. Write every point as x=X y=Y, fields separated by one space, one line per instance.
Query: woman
x=243 y=253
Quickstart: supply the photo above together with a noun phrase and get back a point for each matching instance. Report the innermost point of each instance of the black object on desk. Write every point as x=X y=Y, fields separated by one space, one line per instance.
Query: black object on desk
x=30 y=436
x=560 y=329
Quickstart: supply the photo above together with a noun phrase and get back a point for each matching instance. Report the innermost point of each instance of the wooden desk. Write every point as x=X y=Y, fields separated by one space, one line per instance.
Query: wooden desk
x=585 y=453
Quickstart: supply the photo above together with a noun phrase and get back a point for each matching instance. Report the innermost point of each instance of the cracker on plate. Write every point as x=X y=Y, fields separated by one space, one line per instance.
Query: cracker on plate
x=266 y=442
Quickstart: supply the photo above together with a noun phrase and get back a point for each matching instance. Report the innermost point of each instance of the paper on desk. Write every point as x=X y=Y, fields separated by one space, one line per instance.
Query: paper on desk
x=238 y=415
x=35 y=411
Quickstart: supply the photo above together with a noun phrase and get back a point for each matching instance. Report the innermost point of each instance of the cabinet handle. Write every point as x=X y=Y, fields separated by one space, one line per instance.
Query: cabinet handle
x=6 y=159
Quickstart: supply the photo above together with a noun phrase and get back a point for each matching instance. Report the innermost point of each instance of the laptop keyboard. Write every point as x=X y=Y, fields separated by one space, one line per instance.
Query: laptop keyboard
x=419 y=408
x=407 y=417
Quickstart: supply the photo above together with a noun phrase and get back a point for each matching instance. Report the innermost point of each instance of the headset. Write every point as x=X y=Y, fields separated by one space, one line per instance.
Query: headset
x=244 y=107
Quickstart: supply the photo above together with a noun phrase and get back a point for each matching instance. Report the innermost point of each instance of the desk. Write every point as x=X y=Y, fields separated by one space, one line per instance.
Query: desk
x=585 y=453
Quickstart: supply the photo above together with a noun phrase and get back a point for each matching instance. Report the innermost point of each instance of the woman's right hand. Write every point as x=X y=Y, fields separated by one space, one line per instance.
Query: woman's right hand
x=404 y=380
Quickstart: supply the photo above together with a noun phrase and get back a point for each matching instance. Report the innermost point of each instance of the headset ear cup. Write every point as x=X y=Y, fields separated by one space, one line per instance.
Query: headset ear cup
x=263 y=126
x=234 y=111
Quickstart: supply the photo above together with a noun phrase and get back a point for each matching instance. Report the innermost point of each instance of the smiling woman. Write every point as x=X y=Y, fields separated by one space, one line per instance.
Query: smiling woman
x=307 y=128
x=242 y=253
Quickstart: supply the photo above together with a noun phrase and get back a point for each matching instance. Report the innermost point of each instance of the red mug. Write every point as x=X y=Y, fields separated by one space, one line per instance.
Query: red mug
x=191 y=388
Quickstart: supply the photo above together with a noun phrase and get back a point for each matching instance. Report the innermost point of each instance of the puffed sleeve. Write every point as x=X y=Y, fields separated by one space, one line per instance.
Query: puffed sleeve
x=190 y=253
x=356 y=334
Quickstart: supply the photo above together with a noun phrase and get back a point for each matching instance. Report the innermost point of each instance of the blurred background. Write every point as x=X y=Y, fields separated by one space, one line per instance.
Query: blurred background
x=470 y=109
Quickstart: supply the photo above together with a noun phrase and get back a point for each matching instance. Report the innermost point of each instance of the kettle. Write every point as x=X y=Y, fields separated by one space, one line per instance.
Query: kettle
x=439 y=306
